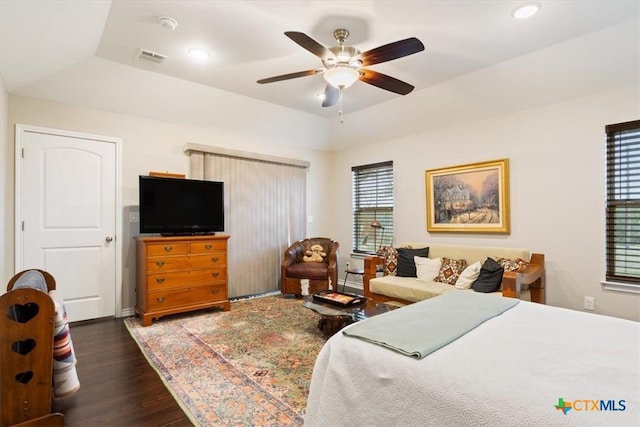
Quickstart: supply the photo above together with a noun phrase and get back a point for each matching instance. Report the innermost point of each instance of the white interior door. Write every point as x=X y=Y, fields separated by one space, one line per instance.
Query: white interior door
x=66 y=216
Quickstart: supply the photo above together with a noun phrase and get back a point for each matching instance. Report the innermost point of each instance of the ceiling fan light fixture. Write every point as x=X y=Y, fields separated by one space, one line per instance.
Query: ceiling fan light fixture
x=526 y=10
x=341 y=76
x=343 y=57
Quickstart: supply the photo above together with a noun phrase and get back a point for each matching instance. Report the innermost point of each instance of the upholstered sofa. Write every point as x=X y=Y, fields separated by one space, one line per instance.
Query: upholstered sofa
x=527 y=283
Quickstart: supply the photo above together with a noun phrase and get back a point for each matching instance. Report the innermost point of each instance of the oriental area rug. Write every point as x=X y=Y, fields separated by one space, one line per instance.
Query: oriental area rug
x=249 y=366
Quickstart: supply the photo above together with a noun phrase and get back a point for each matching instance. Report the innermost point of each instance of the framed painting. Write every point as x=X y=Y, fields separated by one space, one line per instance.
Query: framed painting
x=472 y=198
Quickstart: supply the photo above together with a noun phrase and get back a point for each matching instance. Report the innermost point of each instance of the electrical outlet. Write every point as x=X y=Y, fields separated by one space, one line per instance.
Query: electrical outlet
x=589 y=303
x=134 y=216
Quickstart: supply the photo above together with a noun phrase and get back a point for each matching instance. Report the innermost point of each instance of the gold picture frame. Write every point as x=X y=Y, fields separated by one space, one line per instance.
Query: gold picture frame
x=471 y=198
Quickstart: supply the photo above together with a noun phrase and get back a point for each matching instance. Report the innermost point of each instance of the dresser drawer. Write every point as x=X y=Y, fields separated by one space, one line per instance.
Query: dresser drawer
x=183 y=297
x=208 y=246
x=161 y=249
x=167 y=263
x=185 y=279
x=213 y=260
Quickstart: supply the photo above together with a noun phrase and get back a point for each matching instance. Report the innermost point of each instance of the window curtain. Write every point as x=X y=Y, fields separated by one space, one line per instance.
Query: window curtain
x=265 y=211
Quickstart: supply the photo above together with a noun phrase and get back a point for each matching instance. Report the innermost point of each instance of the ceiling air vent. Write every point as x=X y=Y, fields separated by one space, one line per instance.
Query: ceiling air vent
x=145 y=55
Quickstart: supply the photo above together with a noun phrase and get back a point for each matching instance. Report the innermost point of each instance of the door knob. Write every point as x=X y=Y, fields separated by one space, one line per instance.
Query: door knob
x=109 y=239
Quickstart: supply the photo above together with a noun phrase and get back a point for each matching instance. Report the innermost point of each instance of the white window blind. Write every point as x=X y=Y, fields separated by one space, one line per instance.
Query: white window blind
x=623 y=203
x=372 y=201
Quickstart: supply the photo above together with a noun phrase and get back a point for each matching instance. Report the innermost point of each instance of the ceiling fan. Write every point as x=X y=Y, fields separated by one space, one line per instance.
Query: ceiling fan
x=343 y=65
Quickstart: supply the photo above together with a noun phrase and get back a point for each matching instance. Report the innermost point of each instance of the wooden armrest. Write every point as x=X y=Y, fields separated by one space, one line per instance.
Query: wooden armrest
x=371 y=264
x=533 y=276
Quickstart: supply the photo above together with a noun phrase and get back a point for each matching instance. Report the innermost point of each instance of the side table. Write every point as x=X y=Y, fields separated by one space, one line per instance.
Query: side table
x=351 y=270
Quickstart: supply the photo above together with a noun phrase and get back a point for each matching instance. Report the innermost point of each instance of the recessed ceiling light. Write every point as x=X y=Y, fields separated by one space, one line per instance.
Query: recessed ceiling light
x=526 y=10
x=198 y=54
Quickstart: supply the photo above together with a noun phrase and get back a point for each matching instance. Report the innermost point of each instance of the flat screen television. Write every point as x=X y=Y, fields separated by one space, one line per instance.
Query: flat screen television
x=173 y=206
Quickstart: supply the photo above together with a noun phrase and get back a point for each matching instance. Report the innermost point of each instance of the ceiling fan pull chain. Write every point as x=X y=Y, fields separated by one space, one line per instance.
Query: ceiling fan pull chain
x=340 y=105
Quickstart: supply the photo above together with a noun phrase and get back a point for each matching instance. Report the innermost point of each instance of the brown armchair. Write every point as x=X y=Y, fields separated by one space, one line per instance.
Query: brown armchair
x=321 y=275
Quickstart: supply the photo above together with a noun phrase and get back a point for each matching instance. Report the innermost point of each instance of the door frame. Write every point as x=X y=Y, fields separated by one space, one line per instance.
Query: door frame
x=20 y=130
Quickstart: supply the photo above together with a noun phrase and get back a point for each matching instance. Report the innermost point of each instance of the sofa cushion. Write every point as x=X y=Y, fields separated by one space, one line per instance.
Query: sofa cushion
x=426 y=268
x=408 y=288
x=469 y=275
x=470 y=253
x=490 y=278
x=406 y=263
x=308 y=270
x=450 y=270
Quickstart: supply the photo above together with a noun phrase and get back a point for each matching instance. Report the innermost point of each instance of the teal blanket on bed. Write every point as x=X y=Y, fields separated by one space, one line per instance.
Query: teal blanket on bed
x=424 y=327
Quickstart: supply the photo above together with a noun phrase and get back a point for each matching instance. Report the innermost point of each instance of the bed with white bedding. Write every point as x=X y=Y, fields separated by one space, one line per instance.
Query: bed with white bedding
x=511 y=370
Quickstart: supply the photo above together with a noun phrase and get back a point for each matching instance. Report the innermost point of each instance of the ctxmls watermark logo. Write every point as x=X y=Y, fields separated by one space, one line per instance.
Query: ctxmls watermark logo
x=590 y=405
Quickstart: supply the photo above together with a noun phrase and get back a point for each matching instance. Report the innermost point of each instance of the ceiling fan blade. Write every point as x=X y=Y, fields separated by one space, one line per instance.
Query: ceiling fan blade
x=330 y=96
x=385 y=82
x=310 y=44
x=290 y=76
x=391 y=51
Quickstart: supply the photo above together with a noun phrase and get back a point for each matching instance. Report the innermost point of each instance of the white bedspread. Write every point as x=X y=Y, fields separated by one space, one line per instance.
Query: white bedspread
x=510 y=371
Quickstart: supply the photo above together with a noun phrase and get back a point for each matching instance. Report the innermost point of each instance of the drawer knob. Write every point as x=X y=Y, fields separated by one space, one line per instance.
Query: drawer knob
x=215 y=291
x=168 y=248
x=159 y=263
x=207 y=247
x=161 y=299
x=160 y=280
x=215 y=274
x=215 y=258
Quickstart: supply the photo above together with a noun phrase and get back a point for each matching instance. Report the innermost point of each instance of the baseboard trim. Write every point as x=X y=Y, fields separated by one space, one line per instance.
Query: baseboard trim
x=355 y=285
x=127 y=312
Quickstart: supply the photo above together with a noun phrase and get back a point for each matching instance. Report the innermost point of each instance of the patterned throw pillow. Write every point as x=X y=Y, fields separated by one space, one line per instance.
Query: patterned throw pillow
x=517 y=264
x=450 y=270
x=390 y=256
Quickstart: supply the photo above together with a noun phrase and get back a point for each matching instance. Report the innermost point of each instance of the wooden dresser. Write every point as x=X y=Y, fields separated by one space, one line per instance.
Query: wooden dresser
x=179 y=274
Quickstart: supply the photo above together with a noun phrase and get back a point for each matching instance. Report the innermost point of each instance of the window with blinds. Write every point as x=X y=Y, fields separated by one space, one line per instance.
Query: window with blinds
x=623 y=202
x=372 y=206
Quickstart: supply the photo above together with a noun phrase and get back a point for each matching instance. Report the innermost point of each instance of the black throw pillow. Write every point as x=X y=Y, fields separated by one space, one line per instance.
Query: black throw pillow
x=406 y=263
x=490 y=278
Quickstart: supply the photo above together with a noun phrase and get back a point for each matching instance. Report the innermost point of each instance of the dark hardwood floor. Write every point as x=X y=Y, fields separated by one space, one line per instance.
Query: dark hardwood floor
x=117 y=386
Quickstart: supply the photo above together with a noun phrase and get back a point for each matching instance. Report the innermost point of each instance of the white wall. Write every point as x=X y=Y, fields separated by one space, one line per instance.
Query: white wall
x=6 y=270
x=557 y=180
x=151 y=145
x=557 y=159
